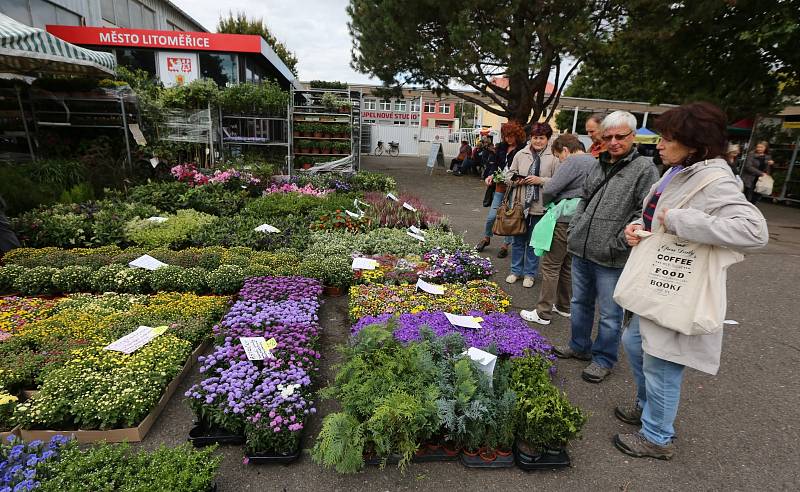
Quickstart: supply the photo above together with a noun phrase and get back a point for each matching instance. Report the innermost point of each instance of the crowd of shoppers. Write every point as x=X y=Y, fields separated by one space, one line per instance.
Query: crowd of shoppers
x=585 y=211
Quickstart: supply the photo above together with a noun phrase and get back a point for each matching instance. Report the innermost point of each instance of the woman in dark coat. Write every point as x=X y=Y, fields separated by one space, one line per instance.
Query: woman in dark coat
x=756 y=165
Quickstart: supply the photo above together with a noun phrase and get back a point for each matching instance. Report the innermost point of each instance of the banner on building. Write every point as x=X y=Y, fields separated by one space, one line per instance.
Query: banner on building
x=177 y=68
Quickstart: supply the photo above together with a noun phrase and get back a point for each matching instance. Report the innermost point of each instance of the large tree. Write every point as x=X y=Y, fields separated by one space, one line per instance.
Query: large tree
x=240 y=24
x=737 y=54
x=458 y=46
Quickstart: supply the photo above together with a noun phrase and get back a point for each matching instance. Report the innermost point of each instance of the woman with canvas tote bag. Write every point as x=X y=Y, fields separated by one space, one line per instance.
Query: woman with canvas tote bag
x=698 y=206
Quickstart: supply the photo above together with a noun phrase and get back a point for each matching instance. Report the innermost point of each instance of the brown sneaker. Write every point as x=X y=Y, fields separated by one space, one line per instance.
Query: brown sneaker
x=630 y=414
x=566 y=352
x=595 y=373
x=482 y=245
x=503 y=252
x=637 y=446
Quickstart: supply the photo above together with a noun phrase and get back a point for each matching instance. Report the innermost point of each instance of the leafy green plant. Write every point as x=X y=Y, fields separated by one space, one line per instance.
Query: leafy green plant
x=340 y=443
x=544 y=416
x=264 y=98
x=197 y=94
x=173 y=233
x=118 y=467
x=35 y=281
x=73 y=278
x=225 y=279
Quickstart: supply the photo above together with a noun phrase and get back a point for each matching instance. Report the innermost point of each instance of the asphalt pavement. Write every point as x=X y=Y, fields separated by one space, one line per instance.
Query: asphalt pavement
x=738 y=430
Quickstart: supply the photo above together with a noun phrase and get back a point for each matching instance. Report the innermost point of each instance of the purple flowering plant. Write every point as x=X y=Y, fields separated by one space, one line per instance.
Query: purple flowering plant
x=509 y=334
x=456 y=267
x=266 y=400
x=19 y=461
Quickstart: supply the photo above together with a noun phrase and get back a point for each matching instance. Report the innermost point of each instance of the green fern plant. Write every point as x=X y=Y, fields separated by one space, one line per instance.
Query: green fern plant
x=340 y=444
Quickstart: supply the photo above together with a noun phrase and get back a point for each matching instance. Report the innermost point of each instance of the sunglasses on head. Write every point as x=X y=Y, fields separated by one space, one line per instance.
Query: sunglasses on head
x=608 y=138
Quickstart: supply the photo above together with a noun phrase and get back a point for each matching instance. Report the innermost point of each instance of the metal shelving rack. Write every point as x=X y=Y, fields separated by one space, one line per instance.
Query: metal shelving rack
x=305 y=107
x=240 y=130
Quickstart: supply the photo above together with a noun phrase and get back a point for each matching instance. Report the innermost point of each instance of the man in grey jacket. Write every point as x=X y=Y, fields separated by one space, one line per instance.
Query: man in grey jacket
x=612 y=198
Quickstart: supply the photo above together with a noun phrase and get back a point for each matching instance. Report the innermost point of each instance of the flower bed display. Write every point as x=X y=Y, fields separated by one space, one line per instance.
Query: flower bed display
x=80 y=385
x=198 y=270
x=508 y=334
x=383 y=212
x=18 y=311
x=266 y=401
x=476 y=295
x=60 y=464
x=384 y=241
x=434 y=266
x=400 y=402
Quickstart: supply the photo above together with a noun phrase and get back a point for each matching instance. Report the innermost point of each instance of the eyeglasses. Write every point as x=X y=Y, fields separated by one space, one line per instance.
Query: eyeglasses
x=608 y=138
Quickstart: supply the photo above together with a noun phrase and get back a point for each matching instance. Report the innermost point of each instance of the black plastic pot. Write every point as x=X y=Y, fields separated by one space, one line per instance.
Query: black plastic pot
x=546 y=460
x=271 y=458
x=431 y=454
x=478 y=462
x=201 y=436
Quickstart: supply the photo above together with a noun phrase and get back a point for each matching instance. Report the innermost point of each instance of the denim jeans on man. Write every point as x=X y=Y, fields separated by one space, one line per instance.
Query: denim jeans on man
x=523 y=260
x=592 y=282
x=497 y=199
x=658 y=387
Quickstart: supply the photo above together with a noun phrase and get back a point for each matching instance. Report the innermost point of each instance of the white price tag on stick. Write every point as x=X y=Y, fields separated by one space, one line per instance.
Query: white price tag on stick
x=256 y=348
x=484 y=360
x=430 y=288
x=465 y=321
x=157 y=220
x=267 y=228
x=408 y=206
x=416 y=230
x=364 y=264
x=391 y=196
x=147 y=262
x=134 y=340
x=353 y=215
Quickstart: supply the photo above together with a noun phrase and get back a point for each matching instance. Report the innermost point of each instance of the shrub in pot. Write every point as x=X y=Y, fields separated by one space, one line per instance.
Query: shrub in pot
x=544 y=418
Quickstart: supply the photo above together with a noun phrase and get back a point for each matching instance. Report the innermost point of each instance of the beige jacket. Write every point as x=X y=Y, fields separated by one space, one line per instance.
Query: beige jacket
x=718 y=215
x=521 y=165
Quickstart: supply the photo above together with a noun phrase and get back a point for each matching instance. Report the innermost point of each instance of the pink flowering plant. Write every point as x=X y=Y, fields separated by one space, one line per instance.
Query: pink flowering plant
x=308 y=189
x=188 y=173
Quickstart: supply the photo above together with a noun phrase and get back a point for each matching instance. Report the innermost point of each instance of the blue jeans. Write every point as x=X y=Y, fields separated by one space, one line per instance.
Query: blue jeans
x=523 y=260
x=593 y=283
x=497 y=199
x=658 y=387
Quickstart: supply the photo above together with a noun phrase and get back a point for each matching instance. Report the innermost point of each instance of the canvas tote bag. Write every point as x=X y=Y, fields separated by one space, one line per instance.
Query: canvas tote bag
x=764 y=185
x=678 y=284
x=510 y=219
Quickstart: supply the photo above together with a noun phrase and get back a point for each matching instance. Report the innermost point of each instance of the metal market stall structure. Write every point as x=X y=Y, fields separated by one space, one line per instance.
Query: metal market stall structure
x=27 y=53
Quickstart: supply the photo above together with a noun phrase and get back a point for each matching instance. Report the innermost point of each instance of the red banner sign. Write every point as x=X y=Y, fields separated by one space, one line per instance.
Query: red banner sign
x=142 y=38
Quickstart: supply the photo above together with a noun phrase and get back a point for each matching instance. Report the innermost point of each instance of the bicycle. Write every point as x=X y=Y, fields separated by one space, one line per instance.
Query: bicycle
x=393 y=149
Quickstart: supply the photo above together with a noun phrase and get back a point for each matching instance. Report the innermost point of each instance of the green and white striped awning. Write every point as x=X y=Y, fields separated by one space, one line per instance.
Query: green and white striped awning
x=26 y=50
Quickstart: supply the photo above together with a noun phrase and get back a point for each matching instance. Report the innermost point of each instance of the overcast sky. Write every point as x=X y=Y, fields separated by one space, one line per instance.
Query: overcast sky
x=315 y=30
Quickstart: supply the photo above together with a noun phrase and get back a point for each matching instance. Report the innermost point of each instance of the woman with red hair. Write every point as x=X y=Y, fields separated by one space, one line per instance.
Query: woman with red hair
x=513 y=141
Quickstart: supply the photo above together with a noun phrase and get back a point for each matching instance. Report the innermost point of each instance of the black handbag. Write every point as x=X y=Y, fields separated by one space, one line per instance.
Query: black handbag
x=488 y=197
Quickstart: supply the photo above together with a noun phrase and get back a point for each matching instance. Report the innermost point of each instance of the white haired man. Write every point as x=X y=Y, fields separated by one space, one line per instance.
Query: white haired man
x=612 y=197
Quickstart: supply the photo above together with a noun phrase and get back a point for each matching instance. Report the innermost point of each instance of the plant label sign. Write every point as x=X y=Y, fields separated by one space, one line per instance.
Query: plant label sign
x=408 y=206
x=364 y=264
x=352 y=215
x=255 y=348
x=267 y=228
x=430 y=288
x=135 y=340
x=416 y=236
x=484 y=360
x=157 y=220
x=416 y=230
x=147 y=262
x=465 y=321
x=391 y=196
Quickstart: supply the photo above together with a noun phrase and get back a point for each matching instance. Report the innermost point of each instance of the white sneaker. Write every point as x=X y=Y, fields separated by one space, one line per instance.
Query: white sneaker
x=449 y=170
x=558 y=311
x=528 y=281
x=511 y=278
x=533 y=317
